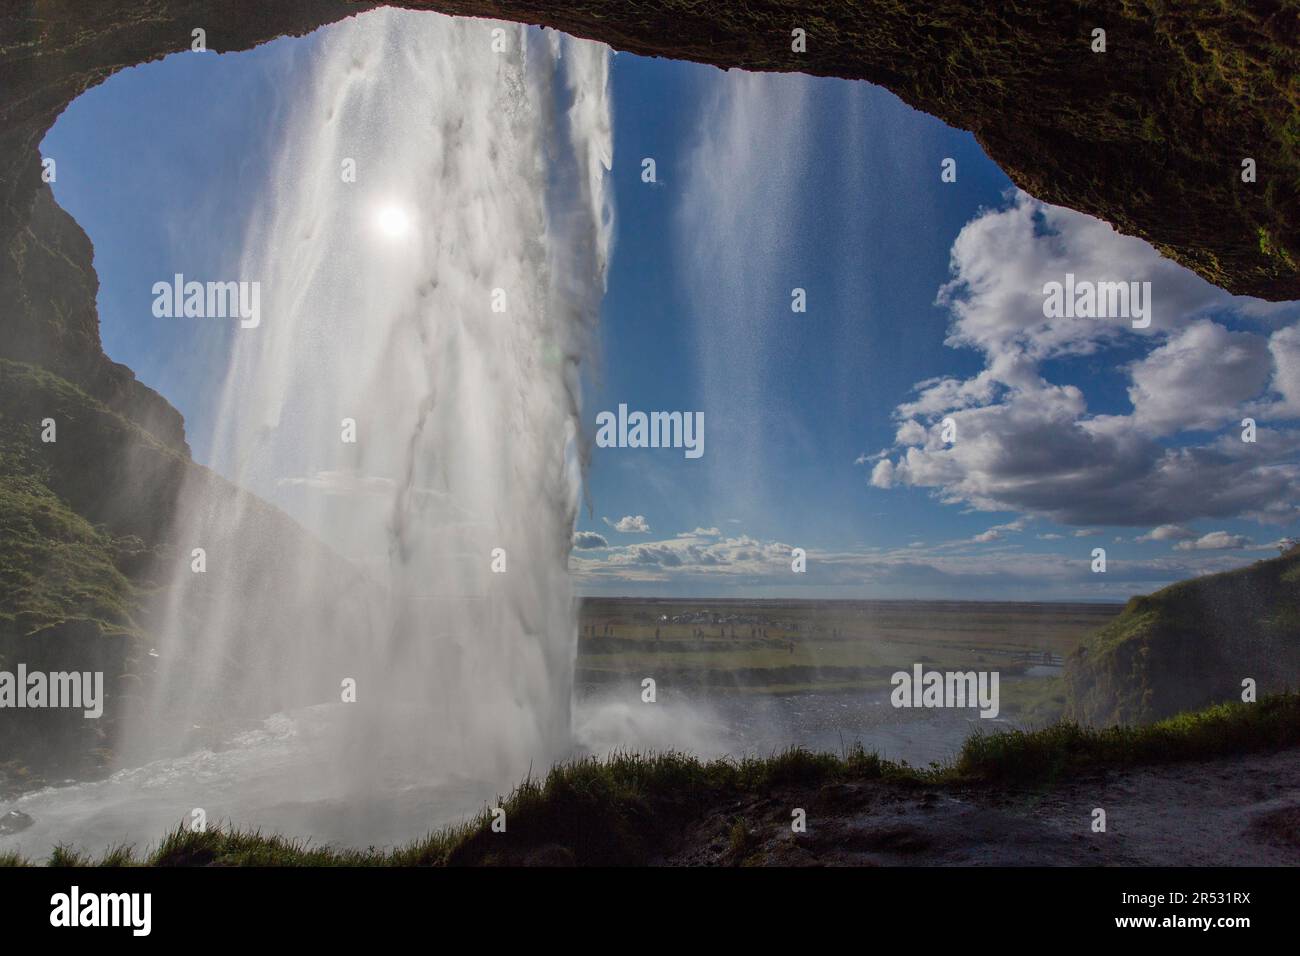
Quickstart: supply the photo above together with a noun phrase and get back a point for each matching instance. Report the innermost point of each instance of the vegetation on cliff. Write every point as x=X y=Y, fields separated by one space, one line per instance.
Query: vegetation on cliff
x=86 y=544
x=1191 y=644
x=81 y=518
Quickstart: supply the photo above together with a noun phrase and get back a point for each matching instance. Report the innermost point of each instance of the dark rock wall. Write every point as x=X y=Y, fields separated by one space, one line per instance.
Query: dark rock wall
x=1149 y=135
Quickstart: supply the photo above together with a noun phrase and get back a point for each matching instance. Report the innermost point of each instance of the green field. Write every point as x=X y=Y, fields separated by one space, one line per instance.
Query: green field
x=781 y=646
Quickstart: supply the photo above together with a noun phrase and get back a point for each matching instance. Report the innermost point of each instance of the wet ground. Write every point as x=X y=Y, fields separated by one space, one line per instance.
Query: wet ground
x=1237 y=811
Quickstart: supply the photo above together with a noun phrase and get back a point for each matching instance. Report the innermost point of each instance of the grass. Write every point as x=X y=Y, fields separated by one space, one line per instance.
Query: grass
x=71 y=586
x=54 y=566
x=742 y=840
x=1066 y=749
x=77 y=513
x=628 y=808
x=1189 y=645
x=828 y=645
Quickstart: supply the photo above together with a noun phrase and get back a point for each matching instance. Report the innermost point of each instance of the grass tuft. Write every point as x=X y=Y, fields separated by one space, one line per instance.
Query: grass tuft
x=1066 y=749
x=629 y=808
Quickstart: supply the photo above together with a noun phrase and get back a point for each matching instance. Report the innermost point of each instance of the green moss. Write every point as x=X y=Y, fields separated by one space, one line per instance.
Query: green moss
x=74 y=517
x=1271 y=249
x=55 y=565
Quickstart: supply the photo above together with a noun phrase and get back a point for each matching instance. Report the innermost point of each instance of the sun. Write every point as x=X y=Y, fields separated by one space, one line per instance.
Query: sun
x=393 y=221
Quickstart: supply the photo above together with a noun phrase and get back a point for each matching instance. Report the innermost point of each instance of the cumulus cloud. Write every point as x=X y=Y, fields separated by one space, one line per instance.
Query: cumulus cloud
x=1168 y=532
x=944 y=569
x=1215 y=541
x=738 y=555
x=1003 y=258
x=1033 y=446
x=630 y=524
x=701 y=533
x=1199 y=379
x=588 y=540
x=1285 y=348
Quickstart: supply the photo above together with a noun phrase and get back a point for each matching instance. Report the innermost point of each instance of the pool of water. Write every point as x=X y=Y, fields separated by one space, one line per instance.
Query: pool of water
x=288 y=776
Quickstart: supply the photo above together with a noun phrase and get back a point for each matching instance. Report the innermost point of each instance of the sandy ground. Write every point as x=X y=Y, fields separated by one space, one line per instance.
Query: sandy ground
x=1237 y=811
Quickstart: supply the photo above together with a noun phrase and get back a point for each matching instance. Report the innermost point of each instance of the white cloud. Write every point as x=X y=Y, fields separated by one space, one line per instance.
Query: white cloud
x=588 y=540
x=1002 y=259
x=1032 y=446
x=1215 y=541
x=630 y=524
x=741 y=554
x=1285 y=348
x=1168 y=532
x=1199 y=379
x=716 y=566
x=998 y=531
x=910 y=433
x=882 y=475
x=700 y=533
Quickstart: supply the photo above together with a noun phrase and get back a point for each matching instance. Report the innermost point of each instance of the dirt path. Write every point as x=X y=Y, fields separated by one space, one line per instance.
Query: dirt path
x=1233 y=811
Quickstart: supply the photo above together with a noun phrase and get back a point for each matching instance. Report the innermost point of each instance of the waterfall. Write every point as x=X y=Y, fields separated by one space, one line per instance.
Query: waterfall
x=431 y=250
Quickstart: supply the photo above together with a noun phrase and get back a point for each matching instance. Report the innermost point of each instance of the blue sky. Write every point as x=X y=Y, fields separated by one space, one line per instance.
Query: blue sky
x=923 y=302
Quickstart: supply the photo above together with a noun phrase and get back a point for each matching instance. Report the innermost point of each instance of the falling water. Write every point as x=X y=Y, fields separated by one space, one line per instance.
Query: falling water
x=439 y=306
